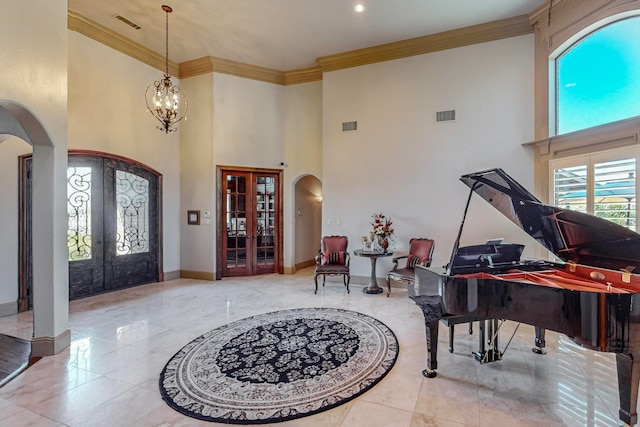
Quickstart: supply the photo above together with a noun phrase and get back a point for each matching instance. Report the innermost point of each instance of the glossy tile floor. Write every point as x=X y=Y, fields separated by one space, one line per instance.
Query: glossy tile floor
x=122 y=340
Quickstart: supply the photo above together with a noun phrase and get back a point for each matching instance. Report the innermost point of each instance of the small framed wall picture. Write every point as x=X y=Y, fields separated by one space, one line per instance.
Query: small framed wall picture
x=193 y=217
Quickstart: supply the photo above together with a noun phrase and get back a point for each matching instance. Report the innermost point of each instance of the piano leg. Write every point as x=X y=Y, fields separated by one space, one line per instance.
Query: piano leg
x=540 y=342
x=432 y=349
x=628 y=366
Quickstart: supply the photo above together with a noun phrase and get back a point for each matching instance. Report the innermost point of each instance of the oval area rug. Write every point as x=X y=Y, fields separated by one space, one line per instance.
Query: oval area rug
x=278 y=366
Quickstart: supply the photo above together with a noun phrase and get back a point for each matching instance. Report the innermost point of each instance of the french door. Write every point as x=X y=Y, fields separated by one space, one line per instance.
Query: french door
x=250 y=219
x=113 y=224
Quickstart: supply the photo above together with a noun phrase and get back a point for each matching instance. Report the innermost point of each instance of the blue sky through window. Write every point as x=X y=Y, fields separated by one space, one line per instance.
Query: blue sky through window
x=599 y=77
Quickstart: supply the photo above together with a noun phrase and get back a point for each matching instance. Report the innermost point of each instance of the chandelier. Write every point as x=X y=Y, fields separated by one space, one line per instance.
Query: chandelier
x=164 y=100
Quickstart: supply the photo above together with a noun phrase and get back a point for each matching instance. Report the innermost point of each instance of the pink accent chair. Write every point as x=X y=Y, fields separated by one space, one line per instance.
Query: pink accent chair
x=333 y=260
x=420 y=253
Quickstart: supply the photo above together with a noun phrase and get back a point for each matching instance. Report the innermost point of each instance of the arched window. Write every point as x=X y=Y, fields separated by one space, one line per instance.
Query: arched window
x=598 y=78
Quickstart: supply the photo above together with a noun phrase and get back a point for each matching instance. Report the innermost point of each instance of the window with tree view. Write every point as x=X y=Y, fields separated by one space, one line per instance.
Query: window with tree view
x=602 y=184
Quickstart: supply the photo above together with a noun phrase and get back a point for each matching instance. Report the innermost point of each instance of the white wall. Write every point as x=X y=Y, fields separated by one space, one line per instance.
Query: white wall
x=402 y=163
x=107 y=113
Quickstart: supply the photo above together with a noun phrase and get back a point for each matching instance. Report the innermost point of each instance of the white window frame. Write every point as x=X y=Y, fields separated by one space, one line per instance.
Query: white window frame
x=590 y=160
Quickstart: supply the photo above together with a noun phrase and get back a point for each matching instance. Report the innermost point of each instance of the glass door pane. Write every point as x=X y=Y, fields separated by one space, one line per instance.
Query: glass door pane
x=236 y=218
x=614 y=191
x=265 y=220
x=79 y=212
x=132 y=213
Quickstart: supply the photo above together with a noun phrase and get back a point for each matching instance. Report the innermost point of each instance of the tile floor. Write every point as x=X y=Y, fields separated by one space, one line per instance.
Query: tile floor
x=121 y=341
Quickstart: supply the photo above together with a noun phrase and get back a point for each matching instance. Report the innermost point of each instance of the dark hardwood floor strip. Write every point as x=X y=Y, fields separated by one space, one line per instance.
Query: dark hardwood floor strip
x=14 y=357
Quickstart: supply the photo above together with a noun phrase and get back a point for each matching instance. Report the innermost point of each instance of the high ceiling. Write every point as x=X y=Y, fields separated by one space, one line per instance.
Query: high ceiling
x=288 y=34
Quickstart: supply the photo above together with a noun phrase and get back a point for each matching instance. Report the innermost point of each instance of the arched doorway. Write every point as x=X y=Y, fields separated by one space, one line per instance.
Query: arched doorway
x=113 y=224
x=308 y=220
x=50 y=276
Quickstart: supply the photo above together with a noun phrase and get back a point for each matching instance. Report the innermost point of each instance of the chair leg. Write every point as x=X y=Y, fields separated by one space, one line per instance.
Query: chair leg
x=348 y=281
x=315 y=279
x=470 y=328
x=388 y=287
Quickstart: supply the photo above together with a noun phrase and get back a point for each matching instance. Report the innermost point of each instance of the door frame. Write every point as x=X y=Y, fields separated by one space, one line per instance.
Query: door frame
x=221 y=222
x=23 y=226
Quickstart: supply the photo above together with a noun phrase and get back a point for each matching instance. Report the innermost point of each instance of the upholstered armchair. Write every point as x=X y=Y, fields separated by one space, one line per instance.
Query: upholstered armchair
x=420 y=253
x=333 y=260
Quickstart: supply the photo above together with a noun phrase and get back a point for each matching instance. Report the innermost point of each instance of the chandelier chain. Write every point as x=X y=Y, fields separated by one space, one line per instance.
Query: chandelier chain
x=166 y=44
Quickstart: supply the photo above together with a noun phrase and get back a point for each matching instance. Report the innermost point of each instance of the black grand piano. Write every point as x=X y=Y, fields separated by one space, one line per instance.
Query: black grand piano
x=593 y=296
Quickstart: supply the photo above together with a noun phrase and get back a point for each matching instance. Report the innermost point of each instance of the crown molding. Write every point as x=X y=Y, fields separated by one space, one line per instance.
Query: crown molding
x=481 y=33
x=304 y=75
x=101 y=34
x=466 y=36
x=211 y=64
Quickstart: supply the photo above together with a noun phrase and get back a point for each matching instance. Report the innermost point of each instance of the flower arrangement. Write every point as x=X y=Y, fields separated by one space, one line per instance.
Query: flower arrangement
x=382 y=226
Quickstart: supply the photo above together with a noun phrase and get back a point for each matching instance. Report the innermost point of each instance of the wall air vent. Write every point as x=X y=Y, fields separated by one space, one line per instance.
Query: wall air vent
x=446 y=116
x=126 y=21
x=349 y=126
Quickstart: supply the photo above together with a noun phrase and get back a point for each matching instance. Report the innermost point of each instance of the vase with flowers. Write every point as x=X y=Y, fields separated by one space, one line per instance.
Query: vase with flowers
x=383 y=229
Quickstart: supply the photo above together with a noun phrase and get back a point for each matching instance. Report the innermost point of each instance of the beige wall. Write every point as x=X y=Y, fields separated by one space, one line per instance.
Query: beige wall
x=402 y=163
x=303 y=156
x=10 y=149
x=33 y=72
x=107 y=113
x=197 y=177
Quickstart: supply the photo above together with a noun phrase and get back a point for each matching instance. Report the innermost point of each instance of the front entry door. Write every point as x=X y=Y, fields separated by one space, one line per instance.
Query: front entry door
x=113 y=225
x=251 y=213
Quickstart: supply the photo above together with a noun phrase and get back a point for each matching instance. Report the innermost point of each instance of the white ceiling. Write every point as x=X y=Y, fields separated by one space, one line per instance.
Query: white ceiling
x=288 y=34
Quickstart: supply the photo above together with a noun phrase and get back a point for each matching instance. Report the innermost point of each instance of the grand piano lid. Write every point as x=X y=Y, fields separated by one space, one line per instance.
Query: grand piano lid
x=573 y=236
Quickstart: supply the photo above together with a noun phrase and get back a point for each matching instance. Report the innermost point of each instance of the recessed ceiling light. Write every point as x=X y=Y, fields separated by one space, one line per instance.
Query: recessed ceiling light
x=359 y=8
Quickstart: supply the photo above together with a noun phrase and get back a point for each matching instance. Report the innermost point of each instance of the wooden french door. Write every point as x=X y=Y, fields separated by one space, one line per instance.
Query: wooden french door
x=250 y=220
x=113 y=233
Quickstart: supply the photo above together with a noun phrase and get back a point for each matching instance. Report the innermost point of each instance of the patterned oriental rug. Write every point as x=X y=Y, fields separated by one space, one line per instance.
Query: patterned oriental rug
x=278 y=366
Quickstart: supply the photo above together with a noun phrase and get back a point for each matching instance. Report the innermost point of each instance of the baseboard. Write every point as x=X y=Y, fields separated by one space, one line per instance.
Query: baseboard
x=8 y=309
x=48 y=346
x=199 y=275
x=305 y=264
x=171 y=275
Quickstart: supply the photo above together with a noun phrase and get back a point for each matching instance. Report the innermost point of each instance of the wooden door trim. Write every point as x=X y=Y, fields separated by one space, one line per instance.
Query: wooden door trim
x=221 y=228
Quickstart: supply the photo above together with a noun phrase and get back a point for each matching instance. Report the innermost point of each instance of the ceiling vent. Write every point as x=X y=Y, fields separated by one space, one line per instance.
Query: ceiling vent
x=349 y=126
x=126 y=21
x=446 y=116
